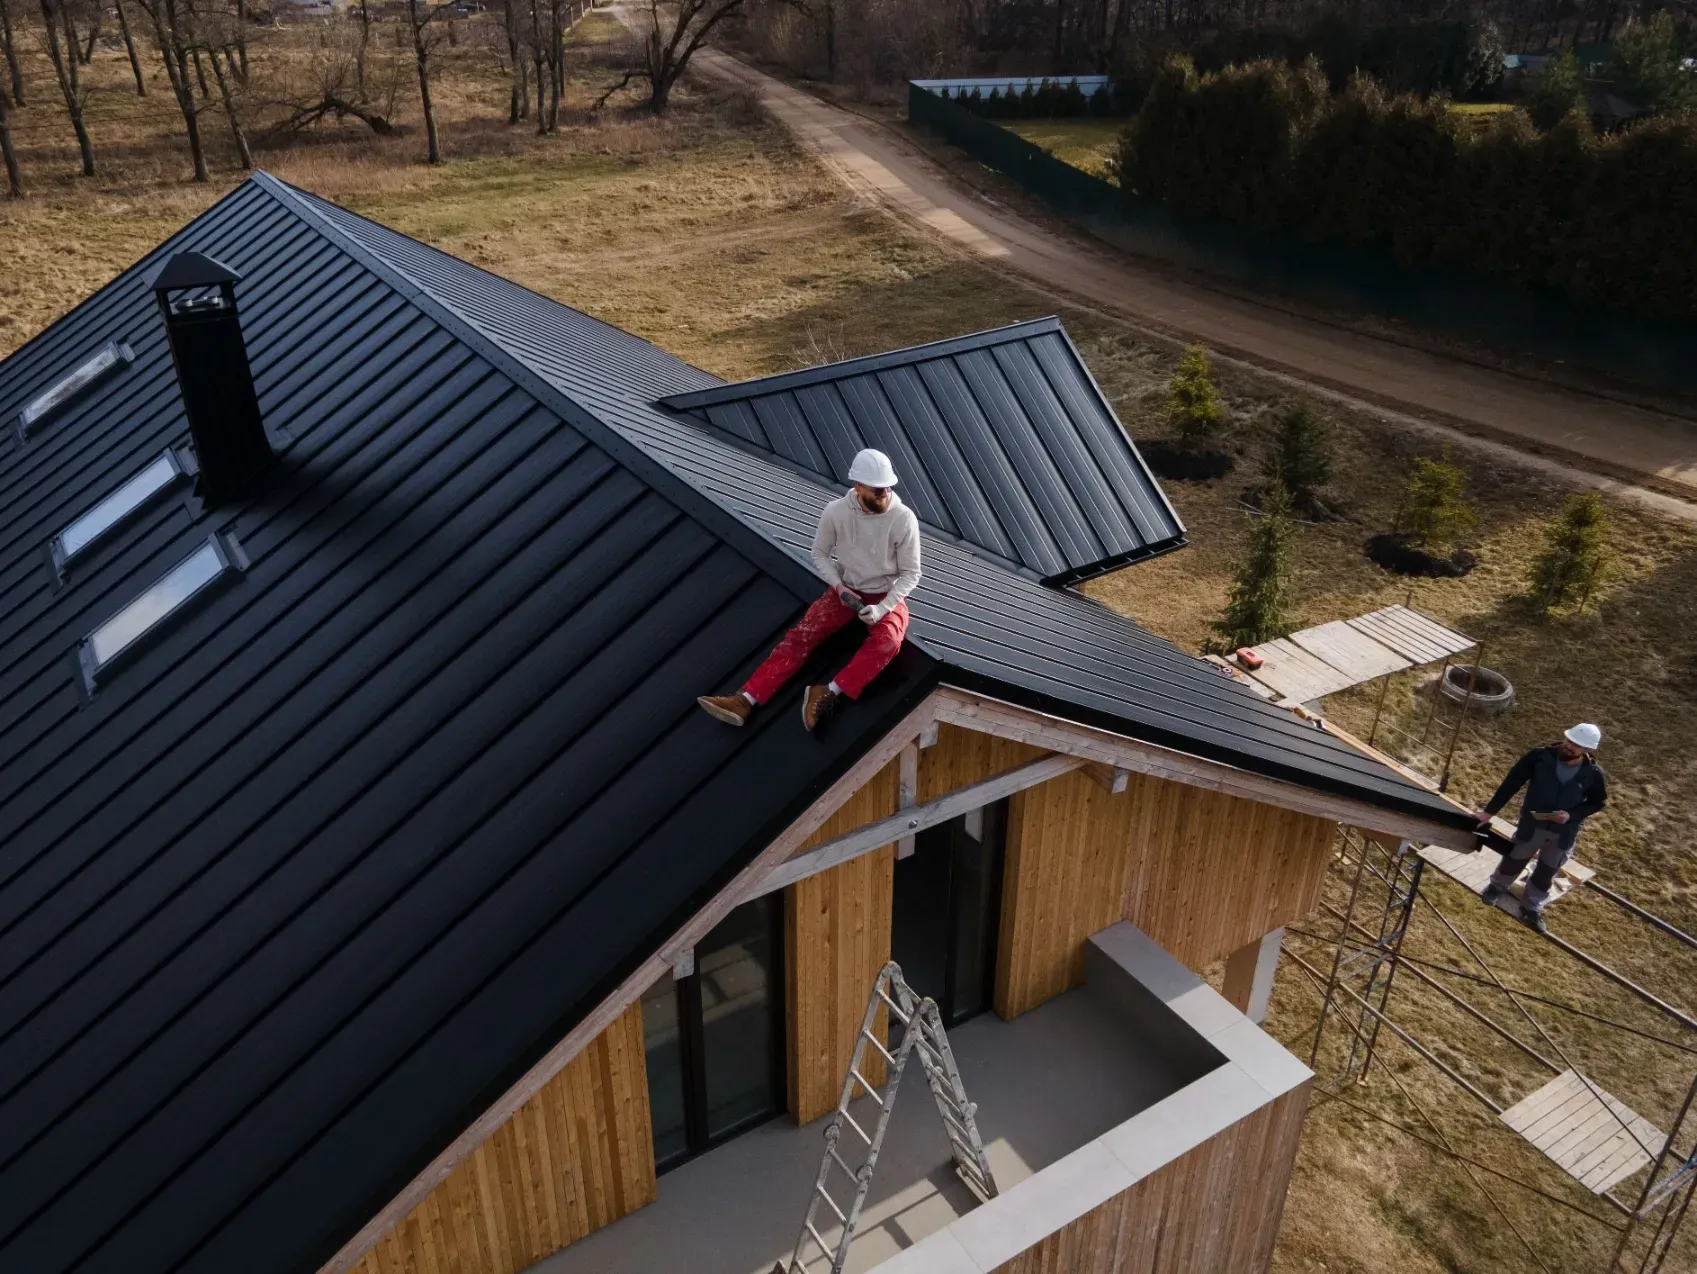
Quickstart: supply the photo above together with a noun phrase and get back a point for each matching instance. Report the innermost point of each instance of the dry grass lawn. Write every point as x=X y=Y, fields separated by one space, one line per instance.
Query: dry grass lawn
x=710 y=233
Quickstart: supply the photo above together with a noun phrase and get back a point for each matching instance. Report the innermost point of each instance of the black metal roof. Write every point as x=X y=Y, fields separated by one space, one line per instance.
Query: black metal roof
x=1002 y=440
x=325 y=867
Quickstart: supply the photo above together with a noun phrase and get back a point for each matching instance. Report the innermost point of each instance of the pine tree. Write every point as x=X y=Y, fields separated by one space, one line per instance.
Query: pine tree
x=1575 y=555
x=1256 y=610
x=1434 y=516
x=1193 y=406
x=1554 y=90
x=1301 y=458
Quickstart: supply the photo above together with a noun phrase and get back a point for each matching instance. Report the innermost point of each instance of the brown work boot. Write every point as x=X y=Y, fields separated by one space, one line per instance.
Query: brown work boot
x=731 y=709
x=817 y=705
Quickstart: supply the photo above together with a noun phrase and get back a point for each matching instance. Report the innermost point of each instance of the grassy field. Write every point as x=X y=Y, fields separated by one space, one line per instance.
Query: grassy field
x=1090 y=144
x=710 y=233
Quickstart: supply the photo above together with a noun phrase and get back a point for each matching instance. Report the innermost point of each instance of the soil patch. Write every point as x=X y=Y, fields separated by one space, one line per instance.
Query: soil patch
x=1395 y=553
x=1180 y=463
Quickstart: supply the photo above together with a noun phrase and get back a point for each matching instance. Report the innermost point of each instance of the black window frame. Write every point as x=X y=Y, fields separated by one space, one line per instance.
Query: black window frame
x=692 y=1048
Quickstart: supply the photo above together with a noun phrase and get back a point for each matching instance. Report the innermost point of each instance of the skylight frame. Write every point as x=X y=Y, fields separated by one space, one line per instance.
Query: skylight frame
x=108 y=359
x=133 y=497
x=134 y=626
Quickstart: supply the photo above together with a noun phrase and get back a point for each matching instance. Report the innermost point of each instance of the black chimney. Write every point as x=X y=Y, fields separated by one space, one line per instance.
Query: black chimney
x=197 y=296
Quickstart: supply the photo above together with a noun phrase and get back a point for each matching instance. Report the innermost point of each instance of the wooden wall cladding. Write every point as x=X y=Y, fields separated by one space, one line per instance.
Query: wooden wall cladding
x=962 y=756
x=1201 y=872
x=577 y=1156
x=836 y=938
x=1213 y=1210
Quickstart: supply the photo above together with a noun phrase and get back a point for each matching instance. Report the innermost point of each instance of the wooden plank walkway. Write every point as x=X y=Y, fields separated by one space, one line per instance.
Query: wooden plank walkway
x=1323 y=660
x=1473 y=871
x=1416 y=637
x=1593 y=1137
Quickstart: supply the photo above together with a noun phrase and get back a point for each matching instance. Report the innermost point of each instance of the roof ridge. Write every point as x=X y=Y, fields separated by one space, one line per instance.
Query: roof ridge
x=861 y=365
x=757 y=547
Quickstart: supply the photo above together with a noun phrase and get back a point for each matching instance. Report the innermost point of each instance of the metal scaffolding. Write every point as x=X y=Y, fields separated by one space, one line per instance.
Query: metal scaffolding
x=1608 y=1144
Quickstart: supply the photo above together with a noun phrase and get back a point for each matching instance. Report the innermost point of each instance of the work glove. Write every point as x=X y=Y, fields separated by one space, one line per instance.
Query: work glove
x=872 y=614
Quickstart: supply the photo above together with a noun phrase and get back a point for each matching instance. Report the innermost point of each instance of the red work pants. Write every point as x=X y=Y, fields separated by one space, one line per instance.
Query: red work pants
x=824 y=617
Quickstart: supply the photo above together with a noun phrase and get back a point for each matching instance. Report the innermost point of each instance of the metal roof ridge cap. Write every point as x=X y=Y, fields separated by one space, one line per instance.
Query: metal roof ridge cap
x=764 y=552
x=805 y=377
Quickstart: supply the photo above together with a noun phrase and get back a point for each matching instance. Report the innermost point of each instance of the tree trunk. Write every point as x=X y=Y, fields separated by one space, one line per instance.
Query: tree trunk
x=200 y=74
x=830 y=41
x=364 y=44
x=67 y=84
x=130 y=48
x=164 y=15
x=241 y=42
x=516 y=62
x=236 y=132
x=14 y=178
x=12 y=53
x=523 y=89
x=93 y=35
x=421 y=53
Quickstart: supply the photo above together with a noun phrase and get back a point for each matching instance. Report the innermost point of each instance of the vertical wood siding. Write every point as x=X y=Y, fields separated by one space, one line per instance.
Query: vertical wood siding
x=577 y=1156
x=1213 y=1210
x=836 y=938
x=1201 y=872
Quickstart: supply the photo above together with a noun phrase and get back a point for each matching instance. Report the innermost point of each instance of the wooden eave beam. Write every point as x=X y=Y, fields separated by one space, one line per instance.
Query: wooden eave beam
x=987 y=715
x=911 y=821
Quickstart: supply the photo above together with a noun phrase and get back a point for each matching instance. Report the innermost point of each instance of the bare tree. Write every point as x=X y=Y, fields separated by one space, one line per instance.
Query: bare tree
x=519 y=102
x=14 y=178
x=420 y=17
x=87 y=52
x=130 y=48
x=65 y=68
x=236 y=131
x=11 y=42
x=327 y=86
x=364 y=44
x=170 y=28
x=675 y=32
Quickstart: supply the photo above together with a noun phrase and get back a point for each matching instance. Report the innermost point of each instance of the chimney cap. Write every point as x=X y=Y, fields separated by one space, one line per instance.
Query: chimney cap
x=193 y=270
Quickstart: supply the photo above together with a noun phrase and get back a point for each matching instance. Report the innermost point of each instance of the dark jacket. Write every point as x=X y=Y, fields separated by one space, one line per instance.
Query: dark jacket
x=1581 y=796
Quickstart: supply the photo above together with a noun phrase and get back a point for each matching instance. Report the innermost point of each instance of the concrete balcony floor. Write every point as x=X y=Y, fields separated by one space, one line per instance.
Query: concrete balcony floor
x=1045 y=1084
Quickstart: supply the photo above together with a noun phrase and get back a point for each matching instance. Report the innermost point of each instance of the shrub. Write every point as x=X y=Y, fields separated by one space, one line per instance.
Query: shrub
x=1073 y=101
x=1434 y=515
x=1554 y=90
x=1647 y=65
x=1301 y=458
x=1193 y=406
x=1575 y=555
x=1257 y=607
x=1102 y=101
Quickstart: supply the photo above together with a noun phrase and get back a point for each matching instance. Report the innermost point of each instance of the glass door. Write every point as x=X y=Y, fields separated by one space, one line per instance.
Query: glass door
x=714 y=1039
x=948 y=901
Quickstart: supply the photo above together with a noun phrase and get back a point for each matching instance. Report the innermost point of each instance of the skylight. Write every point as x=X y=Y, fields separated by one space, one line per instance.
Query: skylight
x=115 y=509
x=180 y=585
x=42 y=406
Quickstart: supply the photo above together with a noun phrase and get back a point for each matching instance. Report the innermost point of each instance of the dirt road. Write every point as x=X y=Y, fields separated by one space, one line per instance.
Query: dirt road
x=1604 y=440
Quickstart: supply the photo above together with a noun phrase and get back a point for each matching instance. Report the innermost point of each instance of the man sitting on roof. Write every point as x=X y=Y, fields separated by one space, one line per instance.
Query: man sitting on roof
x=867 y=549
x=1564 y=786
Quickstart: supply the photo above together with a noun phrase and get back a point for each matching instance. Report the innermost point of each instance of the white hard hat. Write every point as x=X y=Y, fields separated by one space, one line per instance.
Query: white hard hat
x=873 y=469
x=1585 y=735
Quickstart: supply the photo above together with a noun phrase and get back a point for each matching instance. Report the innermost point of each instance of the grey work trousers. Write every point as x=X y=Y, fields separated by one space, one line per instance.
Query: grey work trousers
x=1544 y=844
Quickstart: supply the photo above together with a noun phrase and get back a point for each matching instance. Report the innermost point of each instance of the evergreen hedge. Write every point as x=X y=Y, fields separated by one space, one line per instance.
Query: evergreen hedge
x=1048 y=99
x=1605 y=220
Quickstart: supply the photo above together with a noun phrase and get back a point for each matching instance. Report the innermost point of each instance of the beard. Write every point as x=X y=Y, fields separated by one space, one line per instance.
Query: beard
x=875 y=503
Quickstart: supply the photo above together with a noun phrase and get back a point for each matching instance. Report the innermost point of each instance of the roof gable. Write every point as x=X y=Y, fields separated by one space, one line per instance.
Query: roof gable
x=1002 y=439
x=337 y=858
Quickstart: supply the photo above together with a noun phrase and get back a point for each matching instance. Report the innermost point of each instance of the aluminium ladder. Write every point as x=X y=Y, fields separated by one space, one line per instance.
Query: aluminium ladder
x=922 y=1033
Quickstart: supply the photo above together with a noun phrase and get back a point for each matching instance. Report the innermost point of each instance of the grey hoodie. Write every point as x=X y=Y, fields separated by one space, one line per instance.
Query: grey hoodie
x=868 y=552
